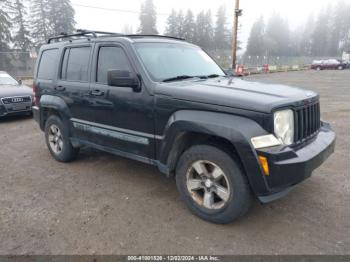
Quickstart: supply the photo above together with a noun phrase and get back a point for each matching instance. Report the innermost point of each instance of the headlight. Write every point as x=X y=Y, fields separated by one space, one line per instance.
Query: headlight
x=284 y=126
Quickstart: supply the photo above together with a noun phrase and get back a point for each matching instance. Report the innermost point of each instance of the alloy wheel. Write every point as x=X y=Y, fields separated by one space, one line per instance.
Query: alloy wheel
x=208 y=185
x=55 y=139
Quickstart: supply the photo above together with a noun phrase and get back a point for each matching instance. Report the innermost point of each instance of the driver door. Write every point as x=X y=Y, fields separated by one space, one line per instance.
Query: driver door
x=123 y=119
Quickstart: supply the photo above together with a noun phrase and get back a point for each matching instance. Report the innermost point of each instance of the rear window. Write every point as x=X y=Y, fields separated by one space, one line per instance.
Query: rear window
x=47 y=65
x=75 y=65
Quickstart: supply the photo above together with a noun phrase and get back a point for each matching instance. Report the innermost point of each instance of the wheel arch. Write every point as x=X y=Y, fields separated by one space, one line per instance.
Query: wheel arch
x=53 y=105
x=228 y=132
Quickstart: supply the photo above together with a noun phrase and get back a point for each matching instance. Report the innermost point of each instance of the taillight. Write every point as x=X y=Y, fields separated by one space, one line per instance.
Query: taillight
x=36 y=97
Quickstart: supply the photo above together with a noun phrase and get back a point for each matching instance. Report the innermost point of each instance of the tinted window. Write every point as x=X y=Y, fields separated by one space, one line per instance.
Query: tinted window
x=76 y=64
x=109 y=58
x=48 y=62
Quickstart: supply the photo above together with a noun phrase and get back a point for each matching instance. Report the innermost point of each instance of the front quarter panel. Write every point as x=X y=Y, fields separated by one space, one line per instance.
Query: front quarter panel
x=238 y=130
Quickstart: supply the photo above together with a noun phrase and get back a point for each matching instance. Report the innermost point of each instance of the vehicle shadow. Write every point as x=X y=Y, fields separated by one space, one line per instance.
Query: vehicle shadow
x=15 y=118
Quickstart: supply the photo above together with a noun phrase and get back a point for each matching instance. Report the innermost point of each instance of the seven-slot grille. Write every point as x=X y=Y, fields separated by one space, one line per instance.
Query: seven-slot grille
x=16 y=100
x=307 y=121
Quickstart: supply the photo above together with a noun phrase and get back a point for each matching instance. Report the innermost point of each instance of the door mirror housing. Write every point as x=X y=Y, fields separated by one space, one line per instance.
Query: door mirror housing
x=19 y=82
x=123 y=78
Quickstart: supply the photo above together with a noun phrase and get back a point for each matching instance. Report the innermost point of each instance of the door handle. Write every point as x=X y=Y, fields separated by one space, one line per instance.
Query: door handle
x=97 y=92
x=60 y=88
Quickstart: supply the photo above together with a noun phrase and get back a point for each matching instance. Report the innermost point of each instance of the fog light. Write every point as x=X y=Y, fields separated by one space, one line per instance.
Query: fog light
x=265 y=165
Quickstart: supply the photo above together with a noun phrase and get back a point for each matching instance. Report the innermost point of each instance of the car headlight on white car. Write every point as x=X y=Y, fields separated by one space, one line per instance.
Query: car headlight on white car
x=284 y=126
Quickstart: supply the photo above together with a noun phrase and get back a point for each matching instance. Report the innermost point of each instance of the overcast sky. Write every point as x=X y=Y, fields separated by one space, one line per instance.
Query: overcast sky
x=296 y=11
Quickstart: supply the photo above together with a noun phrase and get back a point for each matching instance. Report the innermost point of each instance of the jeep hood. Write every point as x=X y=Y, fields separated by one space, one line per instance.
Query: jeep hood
x=14 y=90
x=236 y=93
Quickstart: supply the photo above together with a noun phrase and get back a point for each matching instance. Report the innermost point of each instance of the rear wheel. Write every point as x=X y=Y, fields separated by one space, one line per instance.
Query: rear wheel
x=340 y=67
x=57 y=140
x=212 y=184
x=318 y=68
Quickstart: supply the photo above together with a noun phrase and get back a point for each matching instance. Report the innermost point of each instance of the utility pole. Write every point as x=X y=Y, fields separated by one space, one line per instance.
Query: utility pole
x=238 y=13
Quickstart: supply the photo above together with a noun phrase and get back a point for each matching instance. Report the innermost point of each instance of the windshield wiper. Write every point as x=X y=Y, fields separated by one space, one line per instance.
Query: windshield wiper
x=183 y=77
x=177 y=78
x=213 y=76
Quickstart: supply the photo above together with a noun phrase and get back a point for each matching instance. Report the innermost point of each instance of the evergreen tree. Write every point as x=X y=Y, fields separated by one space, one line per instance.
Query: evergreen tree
x=21 y=39
x=277 y=36
x=204 y=30
x=61 y=17
x=189 y=28
x=221 y=34
x=305 y=45
x=345 y=40
x=339 y=28
x=171 y=26
x=321 y=34
x=180 y=22
x=148 y=18
x=40 y=23
x=256 y=42
x=5 y=34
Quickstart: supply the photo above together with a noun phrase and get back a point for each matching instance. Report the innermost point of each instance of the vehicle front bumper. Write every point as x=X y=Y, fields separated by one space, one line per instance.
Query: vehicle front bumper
x=290 y=166
x=5 y=111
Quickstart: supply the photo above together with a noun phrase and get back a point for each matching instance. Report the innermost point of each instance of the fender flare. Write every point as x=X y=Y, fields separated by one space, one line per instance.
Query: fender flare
x=56 y=103
x=236 y=129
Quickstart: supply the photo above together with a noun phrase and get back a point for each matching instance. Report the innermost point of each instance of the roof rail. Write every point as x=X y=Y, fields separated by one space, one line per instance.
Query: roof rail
x=160 y=36
x=81 y=33
x=95 y=34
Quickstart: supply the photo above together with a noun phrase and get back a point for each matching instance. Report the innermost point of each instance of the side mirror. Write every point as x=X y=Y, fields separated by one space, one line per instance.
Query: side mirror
x=122 y=78
x=19 y=81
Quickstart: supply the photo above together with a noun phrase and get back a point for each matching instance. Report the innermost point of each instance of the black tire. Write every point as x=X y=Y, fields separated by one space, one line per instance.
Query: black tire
x=68 y=152
x=240 y=198
x=340 y=67
x=318 y=68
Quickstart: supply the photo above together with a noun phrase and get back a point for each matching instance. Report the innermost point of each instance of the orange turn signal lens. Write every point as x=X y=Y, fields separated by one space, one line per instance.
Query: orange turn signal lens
x=265 y=165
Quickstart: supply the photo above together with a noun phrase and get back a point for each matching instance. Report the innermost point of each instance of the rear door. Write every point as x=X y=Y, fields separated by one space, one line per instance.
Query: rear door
x=73 y=83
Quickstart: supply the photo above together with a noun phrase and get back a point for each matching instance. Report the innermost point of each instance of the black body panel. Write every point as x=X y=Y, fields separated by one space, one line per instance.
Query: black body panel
x=147 y=124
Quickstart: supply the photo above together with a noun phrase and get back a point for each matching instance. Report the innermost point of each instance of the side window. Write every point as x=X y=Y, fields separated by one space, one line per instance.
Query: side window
x=75 y=65
x=47 y=65
x=111 y=57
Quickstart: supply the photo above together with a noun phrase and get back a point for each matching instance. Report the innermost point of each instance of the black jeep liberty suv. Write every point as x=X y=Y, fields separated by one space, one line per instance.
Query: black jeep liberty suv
x=165 y=102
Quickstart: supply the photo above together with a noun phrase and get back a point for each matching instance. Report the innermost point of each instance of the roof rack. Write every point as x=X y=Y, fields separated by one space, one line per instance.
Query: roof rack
x=81 y=33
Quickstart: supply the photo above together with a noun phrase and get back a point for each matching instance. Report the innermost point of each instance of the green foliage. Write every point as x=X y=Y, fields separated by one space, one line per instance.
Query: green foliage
x=327 y=35
x=189 y=27
x=5 y=33
x=256 y=41
x=148 y=19
x=51 y=17
x=21 y=38
x=221 y=32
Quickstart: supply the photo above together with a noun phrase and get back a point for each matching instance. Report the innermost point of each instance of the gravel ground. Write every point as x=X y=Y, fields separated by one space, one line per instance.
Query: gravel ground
x=104 y=204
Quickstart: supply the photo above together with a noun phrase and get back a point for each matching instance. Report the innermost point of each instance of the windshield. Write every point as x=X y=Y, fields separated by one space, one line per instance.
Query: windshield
x=167 y=61
x=6 y=79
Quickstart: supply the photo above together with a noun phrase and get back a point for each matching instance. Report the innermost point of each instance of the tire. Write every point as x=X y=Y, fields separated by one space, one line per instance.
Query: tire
x=340 y=67
x=318 y=68
x=237 y=196
x=65 y=152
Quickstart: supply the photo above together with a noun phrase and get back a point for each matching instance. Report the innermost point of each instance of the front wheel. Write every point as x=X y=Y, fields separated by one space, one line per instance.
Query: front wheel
x=212 y=184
